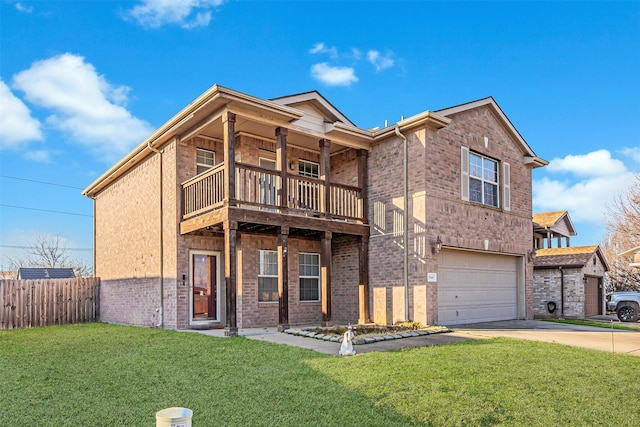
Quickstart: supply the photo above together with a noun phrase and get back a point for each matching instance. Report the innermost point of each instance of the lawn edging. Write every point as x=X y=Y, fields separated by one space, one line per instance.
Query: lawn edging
x=309 y=333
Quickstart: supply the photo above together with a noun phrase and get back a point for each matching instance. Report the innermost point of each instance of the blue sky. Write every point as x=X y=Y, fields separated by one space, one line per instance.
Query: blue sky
x=82 y=82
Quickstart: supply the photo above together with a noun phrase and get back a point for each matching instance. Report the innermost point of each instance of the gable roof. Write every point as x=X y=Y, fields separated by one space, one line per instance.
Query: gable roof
x=489 y=102
x=320 y=102
x=45 y=273
x=571 y=257
x=558 y=222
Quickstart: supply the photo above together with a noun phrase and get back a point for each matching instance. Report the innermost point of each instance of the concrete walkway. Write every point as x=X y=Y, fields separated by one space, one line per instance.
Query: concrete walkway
x=605 y=339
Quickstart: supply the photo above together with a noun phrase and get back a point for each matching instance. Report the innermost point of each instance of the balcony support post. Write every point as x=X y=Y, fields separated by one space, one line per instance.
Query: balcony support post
x=231 y=277
x=363 y=274
x=325 y=277
x=362 y=183
x=282 y=165
x=283 y=278
x=325 y=176
x=229 y=136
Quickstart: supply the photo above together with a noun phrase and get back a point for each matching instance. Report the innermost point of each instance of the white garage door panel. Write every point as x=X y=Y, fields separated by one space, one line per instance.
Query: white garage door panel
x=476 y=287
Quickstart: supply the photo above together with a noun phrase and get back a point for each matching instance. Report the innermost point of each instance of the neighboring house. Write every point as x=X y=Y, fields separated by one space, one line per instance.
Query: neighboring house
x=45 y=273
x=569 y=282
x=243 y=212
x=634 y=254
x=552 y=225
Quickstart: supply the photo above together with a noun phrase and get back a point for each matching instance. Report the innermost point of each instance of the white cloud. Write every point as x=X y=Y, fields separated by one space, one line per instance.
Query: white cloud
x=84 y=105
x=22 y=8
x=40 y=156
x=596 y=163
x=322 y=48
x=594 y=181
x=632 y=153
x=378 y=61
x=355 y=52
x=16 y=124
x=333 y=76
x=156 y=13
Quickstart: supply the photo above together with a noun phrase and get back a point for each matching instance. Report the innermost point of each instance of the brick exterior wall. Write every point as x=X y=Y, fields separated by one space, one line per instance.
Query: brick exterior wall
x=436 y=209
x=345 y=280
x=128 y=229
x=547 y=288
x=127 y=239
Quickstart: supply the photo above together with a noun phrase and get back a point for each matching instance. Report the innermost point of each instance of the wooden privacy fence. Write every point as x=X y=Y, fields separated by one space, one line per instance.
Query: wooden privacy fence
x=31 y=303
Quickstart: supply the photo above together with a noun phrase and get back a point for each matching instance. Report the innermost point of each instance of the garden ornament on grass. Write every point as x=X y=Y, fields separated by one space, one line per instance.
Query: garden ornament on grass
x=346 y=348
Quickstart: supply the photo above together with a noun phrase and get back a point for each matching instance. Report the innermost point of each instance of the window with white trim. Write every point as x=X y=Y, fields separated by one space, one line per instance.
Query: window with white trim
x=267 y=276
x=483 y=180
x=309 y=265
x=205 y=160
x=307 y=168
x=480 y=180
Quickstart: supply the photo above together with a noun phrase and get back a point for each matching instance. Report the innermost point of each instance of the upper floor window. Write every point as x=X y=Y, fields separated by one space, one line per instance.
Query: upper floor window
x=205 y=160
x=308 y=169
x=481 y=180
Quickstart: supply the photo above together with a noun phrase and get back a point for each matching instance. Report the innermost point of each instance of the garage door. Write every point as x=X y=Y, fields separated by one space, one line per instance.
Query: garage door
x=476 y=287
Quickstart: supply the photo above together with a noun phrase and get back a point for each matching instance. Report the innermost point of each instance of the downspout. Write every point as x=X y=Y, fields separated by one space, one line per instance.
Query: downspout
x=561 y=292
x=405 y=225
x=161 y=309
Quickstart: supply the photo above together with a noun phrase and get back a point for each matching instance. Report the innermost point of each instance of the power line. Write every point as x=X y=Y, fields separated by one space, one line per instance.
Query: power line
x=31 y=247
x=45 y=210
x=40 y=182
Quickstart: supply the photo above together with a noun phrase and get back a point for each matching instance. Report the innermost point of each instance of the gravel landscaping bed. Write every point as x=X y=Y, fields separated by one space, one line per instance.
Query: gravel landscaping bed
x=367 y=334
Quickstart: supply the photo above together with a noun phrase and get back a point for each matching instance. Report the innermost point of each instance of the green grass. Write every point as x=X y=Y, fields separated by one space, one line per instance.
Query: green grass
x=610 y=325
x=105 y=375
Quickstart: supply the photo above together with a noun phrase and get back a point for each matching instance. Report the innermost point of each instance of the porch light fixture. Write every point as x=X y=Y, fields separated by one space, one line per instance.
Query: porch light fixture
x=292 y=165
x=437 y=247
x=531 y=255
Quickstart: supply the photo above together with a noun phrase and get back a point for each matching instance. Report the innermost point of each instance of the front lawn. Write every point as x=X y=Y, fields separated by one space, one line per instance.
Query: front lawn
x=105 y=375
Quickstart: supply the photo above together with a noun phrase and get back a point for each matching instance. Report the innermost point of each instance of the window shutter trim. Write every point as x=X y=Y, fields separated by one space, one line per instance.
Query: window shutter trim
x=507 y=186
x=464 y=172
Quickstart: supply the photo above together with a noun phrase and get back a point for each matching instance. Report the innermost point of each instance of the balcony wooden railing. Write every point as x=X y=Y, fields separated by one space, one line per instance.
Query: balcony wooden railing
x=203 y=192
x=261 y=188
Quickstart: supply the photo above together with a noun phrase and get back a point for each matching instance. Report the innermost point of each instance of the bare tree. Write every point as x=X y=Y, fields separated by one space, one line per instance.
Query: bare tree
x=49 y=252
x=623 y=233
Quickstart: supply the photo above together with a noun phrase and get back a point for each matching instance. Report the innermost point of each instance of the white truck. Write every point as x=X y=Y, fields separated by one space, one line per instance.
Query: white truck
x=626 y=305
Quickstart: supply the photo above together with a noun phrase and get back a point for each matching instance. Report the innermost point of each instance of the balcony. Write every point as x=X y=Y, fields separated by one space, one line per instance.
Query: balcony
x=261 y=189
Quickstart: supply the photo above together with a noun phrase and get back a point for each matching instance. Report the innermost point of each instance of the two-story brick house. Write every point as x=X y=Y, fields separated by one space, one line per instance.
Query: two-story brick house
x=245 y=212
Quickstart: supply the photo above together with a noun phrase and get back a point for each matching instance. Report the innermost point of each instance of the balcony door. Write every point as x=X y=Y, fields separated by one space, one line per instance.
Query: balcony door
x=268 y=183
x=308 y=196
x=204 y=287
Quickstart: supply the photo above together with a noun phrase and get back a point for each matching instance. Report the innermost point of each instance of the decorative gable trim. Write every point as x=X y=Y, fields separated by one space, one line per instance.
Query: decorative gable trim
x=530 y=156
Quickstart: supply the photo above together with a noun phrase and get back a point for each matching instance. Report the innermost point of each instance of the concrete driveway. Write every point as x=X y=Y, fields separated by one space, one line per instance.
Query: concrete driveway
x=606 y=339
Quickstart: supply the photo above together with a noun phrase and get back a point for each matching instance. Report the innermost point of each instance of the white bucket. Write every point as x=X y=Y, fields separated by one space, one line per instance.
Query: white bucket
x=174 y=417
